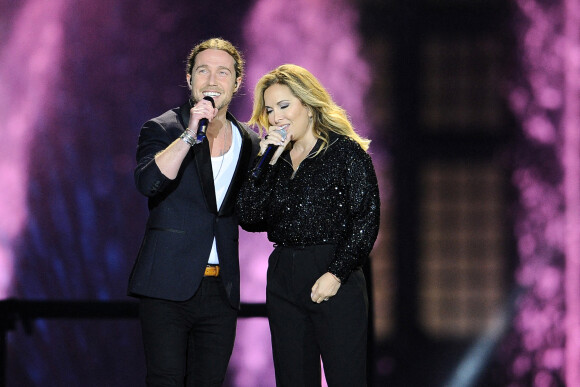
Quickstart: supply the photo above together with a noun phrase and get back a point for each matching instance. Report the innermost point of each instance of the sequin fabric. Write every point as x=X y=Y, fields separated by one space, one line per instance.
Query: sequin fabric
x=332 y=198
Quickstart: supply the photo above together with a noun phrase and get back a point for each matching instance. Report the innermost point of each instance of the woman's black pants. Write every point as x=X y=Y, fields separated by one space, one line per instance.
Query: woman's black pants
x=303 y=331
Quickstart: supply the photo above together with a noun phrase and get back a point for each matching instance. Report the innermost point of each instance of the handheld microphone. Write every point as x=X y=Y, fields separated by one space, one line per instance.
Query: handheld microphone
x=203 y=123
x=268 y=153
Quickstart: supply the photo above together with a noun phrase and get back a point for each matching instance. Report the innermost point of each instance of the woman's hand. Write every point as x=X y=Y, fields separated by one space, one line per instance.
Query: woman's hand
x=274 y=137
x=324 y=288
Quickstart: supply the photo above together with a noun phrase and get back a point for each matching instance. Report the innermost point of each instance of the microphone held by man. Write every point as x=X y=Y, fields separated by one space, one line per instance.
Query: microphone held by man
x=203 y=123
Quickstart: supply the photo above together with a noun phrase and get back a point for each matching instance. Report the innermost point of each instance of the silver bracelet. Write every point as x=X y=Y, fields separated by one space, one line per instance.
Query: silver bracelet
x=188 y=138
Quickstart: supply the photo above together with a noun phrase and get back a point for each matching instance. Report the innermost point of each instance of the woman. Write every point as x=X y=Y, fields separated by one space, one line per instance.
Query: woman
x=318 y=200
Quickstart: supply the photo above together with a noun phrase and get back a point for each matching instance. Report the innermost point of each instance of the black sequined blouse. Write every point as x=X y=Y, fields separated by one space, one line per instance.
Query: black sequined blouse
x=332 y=198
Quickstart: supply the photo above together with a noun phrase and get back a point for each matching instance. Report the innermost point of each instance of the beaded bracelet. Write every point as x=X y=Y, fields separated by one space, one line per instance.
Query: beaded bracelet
x=188 y=138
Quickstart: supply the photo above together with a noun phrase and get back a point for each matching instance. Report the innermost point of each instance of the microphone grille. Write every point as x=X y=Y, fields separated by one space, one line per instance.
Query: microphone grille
x=283 y=133
x=210 y=99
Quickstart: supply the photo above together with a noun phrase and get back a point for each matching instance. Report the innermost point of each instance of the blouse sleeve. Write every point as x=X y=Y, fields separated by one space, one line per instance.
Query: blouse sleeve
x=253 y=199
x=364 y=212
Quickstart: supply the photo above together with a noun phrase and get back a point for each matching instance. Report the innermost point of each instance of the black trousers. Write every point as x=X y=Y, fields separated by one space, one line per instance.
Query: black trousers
x=189 y=343
x=304 y=331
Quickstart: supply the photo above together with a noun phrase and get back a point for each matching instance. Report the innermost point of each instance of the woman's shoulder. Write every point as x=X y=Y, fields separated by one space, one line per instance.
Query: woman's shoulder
x=343 y=143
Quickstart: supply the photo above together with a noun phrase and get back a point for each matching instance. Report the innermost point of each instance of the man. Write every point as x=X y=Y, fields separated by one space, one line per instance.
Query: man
x=187 y=273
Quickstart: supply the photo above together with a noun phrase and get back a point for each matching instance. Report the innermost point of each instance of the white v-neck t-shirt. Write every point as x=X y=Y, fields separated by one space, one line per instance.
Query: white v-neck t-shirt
x=223 y=168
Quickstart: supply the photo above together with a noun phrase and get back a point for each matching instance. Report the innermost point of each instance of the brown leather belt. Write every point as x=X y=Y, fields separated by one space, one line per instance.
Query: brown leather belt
x=212 y=271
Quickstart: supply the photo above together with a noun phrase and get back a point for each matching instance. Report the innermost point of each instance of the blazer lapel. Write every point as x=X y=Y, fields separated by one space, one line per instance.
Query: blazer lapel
x=202 y=163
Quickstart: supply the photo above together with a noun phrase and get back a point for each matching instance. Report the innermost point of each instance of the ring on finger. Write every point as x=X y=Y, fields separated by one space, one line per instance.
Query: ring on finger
x=326 y=299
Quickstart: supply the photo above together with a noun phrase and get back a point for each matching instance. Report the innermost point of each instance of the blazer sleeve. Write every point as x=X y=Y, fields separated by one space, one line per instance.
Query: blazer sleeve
x=153 y=139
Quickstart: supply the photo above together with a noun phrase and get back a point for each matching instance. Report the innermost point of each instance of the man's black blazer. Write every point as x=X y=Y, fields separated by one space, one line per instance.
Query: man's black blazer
x=183 y=215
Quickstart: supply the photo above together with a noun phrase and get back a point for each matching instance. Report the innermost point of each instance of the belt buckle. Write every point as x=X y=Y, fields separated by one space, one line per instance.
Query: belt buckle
x=212 y=271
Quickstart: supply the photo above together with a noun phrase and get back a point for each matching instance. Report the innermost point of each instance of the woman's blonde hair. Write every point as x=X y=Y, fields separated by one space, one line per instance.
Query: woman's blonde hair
x=326 y=114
